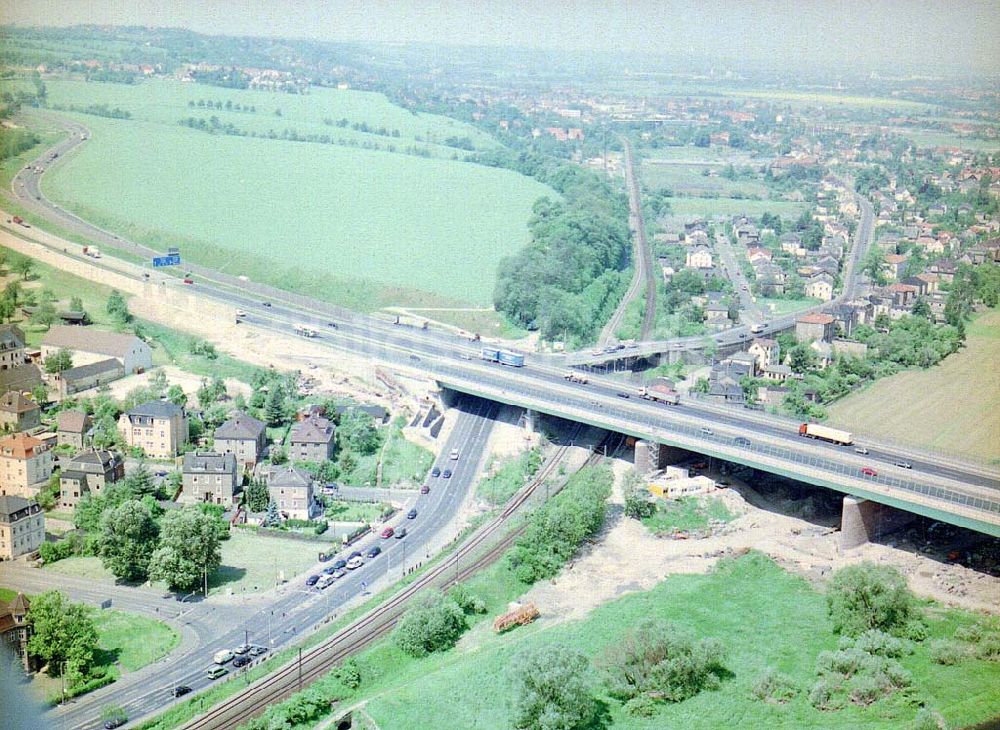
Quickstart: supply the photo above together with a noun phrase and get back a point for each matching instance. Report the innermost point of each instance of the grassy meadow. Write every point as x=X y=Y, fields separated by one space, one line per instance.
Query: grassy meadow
x=688 y=179
x=708 y=207
x=362 y=227
x=951 y=407
x=743 y=601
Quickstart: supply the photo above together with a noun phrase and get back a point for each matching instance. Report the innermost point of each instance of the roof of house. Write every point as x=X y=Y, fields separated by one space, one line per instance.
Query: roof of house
x=312 y=430
x=157 y=409
x=19 y=446
x=288 y=477
x=909 y=288
x=100 y=367
x=12 y=507
x=22 y=377
x=11 y=337
x=815 y=318
x=240 y=426
x=764 y=342
x=88 y=339
x=96 y=460
x=72 y=421
x=209 y=462
x=780 y=369
x=17 y=607
x=821 y=276
x=895 y=258
x=14 y=402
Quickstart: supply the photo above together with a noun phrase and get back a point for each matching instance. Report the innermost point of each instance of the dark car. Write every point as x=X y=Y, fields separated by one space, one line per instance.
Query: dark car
x=265 y=304
x=332 y=324
x=400 y=533
x=374 y=551
x=436 y=471
x=741 y=441
x=414 y=358
x=622 y=394
x=114 y=722
x=425 y=489
x=180 y=690
x=355 y=554
x=339 y=564
x=312 y=580
x=446 y=473
x=412 y=514
x=258 y=650
x=329 y=570
x=241 y=661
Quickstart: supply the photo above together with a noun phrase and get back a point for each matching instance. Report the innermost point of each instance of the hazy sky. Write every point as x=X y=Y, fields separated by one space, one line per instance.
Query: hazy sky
x=873 y=33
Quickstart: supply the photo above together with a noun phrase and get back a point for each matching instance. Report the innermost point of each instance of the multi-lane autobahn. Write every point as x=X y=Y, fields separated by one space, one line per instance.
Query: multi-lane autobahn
x=952 y=485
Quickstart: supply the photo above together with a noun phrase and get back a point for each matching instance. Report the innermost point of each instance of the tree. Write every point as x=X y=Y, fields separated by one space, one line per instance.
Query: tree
x=118 y=309
x=868 y=596
x=189 y=548
x=273 y=517
x=62 y=634
x=44 y=315
x=176 y=395
x=140 y=481
x=921 y=308
x=256 y=496
x=552 y=689
x=662 y=661
x=58 y=361
x=433 y=624
x=22 y=265
x=874 y=266
x=128 y=538
x=637 y=501
x=274 y=408
x=357 y=432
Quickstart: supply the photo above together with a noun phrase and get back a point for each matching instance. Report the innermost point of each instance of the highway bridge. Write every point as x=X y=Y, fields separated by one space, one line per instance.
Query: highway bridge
x=954 y=491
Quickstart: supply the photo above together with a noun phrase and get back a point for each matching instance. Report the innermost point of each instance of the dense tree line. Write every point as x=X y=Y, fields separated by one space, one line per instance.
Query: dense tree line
x=97 y=110
x=568 y=280
x=15 y=141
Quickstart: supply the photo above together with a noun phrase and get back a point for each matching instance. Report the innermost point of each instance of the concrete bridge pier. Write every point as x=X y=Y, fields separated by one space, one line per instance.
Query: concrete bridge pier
x=650 y=456
x=530 y=420
x=862 y=520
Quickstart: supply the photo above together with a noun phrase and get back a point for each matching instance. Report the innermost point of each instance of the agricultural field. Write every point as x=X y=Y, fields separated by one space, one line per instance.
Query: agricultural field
x=362 y=227
x=689 y=180
x=741 y=602
x=951 y=407
x=708 y=207
x=936 y=138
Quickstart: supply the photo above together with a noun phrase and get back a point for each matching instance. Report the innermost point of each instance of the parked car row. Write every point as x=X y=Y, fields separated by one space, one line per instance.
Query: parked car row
x=240 y=656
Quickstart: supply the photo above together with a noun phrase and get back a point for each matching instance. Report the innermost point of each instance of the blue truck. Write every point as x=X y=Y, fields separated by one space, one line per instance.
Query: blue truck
x=504 y=357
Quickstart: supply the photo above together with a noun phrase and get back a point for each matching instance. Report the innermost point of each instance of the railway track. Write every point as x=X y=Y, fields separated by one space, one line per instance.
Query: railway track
x=317 y=661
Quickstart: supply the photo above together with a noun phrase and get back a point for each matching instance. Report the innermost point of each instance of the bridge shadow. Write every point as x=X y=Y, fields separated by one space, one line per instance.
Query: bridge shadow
x=818 y=506
x=947 y=545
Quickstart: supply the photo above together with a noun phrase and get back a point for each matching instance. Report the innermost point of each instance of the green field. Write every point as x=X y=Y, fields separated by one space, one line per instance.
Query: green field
x=362 y=227
x=708 y=207
x=781 y=307
x=130 y=641
x=252 y=563
x=764 y=617
x=934 y=138
x=686 y=514
x=952 y=407
x=688 y=179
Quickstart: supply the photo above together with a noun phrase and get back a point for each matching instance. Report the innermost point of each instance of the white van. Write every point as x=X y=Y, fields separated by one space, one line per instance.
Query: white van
x=222 y=656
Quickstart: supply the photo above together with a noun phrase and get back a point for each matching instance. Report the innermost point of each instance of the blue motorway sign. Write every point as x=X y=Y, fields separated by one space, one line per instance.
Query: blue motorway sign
x=172 y=260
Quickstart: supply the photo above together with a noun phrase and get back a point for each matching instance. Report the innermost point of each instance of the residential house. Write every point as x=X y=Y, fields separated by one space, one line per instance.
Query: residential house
x=817 y=326
x=827 y=264
x=699 y=257
x=209 y=477
x=90 y=345
x=931 y=281
x=903 y=295
x=22 y=526
x=158 y=427
x=820 y=286
x=293 y=491
x=766 y=352
x=894 y=266
x=824 y=352
x=73 y=428
x=312 y=439
x=25 y=465
x=242 y=436
x=717 y=314
x=11 y=347
x=15 y=629
x=84 y=377
x=18 y=413
x=778 y=373
x=89 y=473
x=21 y=378
x=757 y=253
x=772 y=395
x=944 y=269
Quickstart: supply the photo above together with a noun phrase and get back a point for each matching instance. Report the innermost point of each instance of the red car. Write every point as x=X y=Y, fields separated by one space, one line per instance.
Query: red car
x=189 y=281
x=869 y=472
x=388 y=532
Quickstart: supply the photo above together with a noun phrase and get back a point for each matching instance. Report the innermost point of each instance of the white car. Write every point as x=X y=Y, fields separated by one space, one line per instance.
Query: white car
x=356 y=562
x=222 y=656
x=453 y=455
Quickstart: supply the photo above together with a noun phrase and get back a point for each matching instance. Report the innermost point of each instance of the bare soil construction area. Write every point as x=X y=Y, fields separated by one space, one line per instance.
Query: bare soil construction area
x=627 y=557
